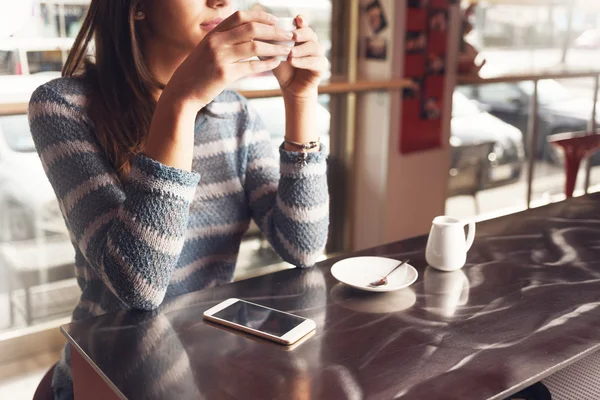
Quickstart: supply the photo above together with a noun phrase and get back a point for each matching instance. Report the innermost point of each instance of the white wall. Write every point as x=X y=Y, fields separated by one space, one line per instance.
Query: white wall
x=397 y=195
x=372 y=142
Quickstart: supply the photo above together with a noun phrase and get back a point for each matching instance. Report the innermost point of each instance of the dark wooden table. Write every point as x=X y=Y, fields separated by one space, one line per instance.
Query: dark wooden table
x=526 y=305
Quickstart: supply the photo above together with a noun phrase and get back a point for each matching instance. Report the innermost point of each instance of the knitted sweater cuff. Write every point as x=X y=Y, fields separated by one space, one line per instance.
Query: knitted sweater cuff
x=296 y=164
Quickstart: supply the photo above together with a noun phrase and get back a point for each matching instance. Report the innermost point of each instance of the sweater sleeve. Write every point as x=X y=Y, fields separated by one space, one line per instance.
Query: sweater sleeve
x=289 y=198
x=131 y=232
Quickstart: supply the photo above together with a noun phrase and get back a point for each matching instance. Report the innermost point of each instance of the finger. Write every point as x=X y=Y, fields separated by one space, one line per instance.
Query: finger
x=243 y=17
x=307 y=49
x=254 y=31
x=301 y=21
x=258 y=49
x=252 y=67
x=315 y=64
x=305 y=34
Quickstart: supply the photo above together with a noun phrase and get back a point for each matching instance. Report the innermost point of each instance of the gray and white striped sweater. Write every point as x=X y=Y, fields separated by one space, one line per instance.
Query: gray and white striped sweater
x=163 y=231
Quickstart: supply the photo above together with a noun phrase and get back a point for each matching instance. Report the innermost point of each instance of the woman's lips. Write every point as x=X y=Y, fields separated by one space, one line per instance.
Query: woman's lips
x=210 y=25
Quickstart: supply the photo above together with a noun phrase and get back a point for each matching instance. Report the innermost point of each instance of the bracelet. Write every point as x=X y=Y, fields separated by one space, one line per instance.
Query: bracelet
x=304 y=146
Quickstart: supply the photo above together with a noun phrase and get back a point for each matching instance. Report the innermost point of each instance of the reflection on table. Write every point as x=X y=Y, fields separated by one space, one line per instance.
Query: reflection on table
x=524 y=306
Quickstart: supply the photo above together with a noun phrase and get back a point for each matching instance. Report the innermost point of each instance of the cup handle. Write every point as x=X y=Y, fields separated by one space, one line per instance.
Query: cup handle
x=470 y=235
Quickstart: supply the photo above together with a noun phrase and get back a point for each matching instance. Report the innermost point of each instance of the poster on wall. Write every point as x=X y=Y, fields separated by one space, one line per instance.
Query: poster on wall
x=425 y=48
x=375 y=44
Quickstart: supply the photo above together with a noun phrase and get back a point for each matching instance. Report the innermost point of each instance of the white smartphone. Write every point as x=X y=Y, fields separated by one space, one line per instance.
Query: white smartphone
x=268 y=323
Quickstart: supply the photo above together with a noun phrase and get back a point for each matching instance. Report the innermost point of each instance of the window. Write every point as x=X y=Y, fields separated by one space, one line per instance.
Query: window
x=15 y=132
x=499 y=92
x=8 y=62
x=528 y=38
x=73 y=15
x=44 y=61
x=549 y=91
x=463 y=107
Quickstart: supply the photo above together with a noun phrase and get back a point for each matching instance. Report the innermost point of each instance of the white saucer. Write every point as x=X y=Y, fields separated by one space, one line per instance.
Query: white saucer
x=358 y=272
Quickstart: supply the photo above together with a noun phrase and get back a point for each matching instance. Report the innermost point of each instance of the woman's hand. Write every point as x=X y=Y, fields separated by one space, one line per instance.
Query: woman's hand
x=217 y=61
x=300 y=76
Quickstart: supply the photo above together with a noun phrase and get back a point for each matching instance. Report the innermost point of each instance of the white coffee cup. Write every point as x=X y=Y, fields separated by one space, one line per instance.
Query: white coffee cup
x=447 y=246
x=288 y=25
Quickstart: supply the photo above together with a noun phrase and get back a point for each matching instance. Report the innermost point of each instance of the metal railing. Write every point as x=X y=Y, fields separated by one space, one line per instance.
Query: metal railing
x=532 y=128
x=352 y=87
x=333 y=87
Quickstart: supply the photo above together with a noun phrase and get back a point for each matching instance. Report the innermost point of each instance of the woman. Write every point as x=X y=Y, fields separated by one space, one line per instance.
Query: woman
x=158 y=169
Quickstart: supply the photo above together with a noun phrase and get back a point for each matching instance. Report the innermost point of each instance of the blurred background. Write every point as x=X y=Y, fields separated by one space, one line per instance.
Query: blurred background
x=489 y=154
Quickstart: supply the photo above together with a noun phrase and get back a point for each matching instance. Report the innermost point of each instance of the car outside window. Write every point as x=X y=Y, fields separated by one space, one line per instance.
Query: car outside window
x=462 y=107
x=549 y=91
x=42 y=61
x=15 y=131
x=499 y=93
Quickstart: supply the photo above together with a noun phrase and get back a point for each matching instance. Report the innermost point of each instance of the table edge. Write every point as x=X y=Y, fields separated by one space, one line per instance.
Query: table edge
x=538 y=377
x=500 y=396
x=87 y=359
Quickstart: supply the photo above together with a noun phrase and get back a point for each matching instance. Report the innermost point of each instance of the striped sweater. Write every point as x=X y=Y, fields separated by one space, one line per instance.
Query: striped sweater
x=164 y=231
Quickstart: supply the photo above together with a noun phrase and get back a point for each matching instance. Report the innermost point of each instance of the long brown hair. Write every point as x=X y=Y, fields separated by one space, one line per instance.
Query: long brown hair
x=121 y=102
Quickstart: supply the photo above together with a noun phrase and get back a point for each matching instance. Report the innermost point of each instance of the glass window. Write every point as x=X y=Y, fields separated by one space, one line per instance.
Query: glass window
x=8 y=62
x=527 y=38
x=486 y=172
x=48 y=21
x=499 y=92
x=74 y=15
x=549 y=91
x=462 y=106
x=43 y=61
x=272 y=112
x=15 y=131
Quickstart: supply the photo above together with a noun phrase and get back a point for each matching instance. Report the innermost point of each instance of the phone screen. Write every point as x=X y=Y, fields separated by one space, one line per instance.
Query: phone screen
x=259 y=318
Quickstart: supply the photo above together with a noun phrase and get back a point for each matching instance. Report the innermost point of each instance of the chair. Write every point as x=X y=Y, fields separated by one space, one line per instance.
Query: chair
x=576 y=146
x=537 y=391
x=577 y=381
x=468 y=169
x=44 y=390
